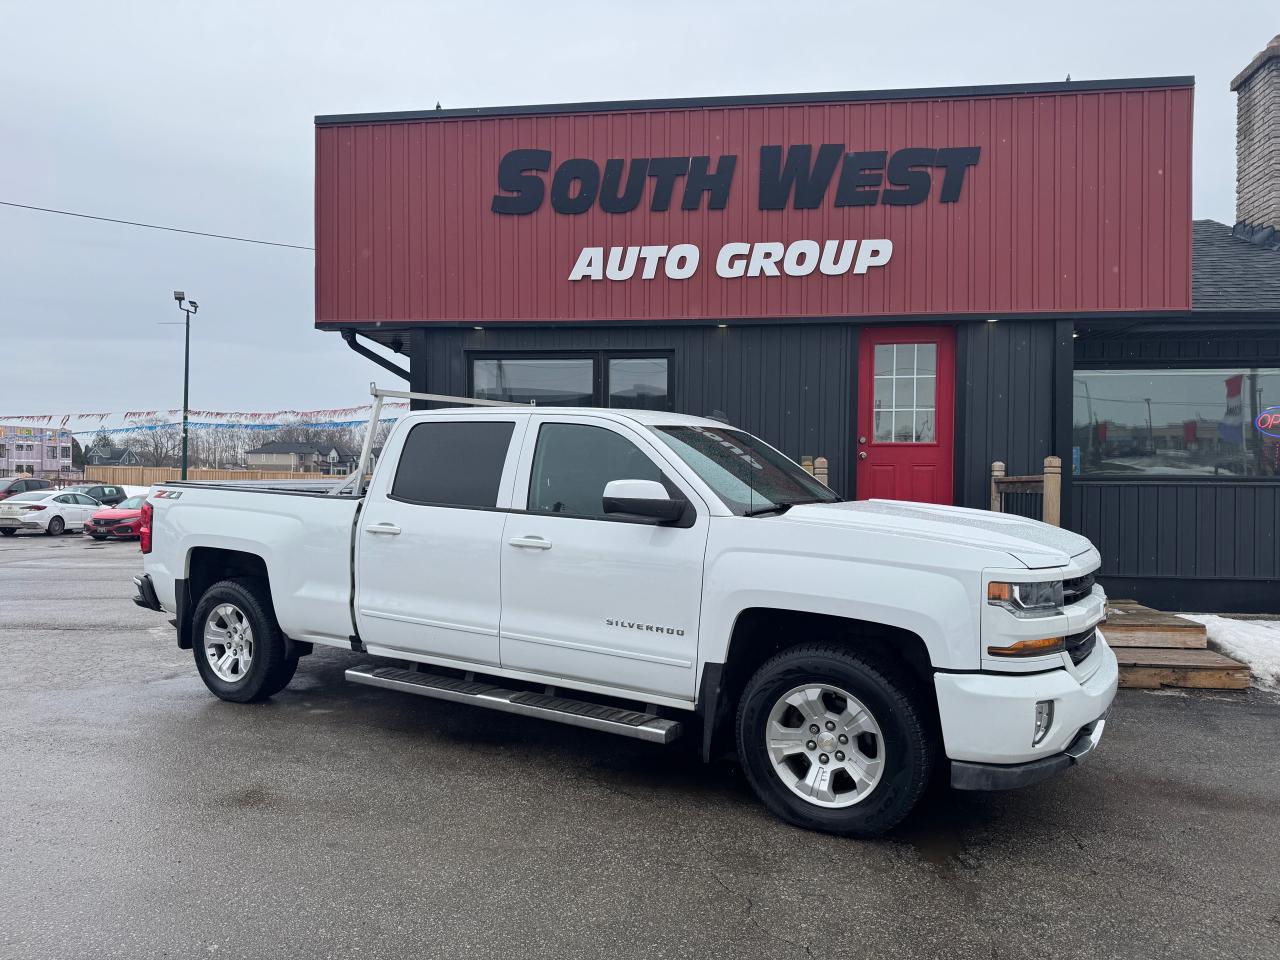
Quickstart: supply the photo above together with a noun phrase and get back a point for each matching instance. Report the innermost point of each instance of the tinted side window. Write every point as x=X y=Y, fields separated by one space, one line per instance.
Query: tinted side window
x=574 y=461
x=453 y=464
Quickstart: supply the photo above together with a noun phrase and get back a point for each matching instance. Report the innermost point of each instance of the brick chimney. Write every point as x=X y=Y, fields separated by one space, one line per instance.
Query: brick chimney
x=1257 y=89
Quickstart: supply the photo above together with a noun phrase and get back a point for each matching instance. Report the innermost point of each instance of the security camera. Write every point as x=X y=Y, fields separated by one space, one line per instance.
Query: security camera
x=194 y=306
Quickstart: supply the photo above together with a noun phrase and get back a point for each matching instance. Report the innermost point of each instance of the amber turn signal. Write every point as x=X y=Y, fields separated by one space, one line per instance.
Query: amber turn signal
x=999 y=592
x=1030 y=648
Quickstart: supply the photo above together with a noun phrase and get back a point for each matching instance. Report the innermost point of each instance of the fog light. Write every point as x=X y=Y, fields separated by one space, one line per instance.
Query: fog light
x=1044 y=720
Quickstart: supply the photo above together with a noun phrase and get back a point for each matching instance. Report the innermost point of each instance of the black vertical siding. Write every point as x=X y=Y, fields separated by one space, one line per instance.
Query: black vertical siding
x=1004 y=402
x=1183 y=528
x=792 y=385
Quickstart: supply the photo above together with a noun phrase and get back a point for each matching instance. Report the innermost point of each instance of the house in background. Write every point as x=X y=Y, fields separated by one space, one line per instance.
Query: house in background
x=106 y=455
x=281 y=455
x=338 y=460
x=35 y=452
x=334 y=459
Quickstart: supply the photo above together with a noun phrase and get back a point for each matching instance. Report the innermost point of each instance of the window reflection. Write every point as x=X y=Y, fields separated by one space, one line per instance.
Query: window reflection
x=561 y=382
x=638 y=383
x=1175 y=422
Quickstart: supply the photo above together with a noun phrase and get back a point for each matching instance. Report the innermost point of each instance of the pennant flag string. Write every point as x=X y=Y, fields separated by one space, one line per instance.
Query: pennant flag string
x=226 y=425
x=133 y=416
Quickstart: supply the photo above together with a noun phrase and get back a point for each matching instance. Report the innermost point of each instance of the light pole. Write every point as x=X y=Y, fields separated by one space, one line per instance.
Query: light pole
x=186 y=368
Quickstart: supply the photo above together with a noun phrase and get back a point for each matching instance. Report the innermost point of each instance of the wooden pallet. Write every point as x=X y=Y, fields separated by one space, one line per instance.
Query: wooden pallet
x=1157 y=649
x=1131 y=624
x=1149 y=668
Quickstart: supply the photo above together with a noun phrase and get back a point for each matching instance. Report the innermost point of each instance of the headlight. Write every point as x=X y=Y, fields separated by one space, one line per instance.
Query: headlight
x=1027 y=600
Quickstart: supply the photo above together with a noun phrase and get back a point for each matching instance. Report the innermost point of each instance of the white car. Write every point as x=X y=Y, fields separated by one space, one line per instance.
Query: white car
x=47 y=510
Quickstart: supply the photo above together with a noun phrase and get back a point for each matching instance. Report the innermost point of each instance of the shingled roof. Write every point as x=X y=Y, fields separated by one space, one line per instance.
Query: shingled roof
x=1231 y=273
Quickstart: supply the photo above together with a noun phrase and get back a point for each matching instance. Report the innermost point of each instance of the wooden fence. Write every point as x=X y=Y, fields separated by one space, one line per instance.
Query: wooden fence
x=1048 y=485
x=815 y=467
x=146 y=476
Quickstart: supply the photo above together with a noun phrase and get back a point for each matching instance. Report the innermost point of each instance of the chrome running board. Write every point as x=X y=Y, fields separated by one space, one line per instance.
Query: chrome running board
x=577 y=713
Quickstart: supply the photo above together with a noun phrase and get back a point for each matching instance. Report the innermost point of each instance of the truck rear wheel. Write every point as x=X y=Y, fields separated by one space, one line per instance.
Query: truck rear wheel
x=832 y=741
x=239 y=649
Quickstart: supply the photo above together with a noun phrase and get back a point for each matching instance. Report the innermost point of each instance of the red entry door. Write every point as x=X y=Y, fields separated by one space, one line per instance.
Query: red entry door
x=906 y=412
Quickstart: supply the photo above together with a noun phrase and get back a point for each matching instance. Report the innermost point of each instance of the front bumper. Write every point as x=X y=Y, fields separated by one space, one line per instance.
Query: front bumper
x=989 y=718
x=995 y=776
x=126 y=529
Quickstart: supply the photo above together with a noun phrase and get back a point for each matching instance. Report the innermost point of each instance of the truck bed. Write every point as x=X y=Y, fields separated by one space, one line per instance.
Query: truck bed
x=300 y=531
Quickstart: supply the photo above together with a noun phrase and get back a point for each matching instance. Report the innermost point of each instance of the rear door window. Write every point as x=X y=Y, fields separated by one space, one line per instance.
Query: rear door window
x=453 y=464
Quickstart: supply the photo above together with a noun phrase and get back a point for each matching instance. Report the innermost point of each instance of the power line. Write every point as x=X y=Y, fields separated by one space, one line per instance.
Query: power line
x=153 y=226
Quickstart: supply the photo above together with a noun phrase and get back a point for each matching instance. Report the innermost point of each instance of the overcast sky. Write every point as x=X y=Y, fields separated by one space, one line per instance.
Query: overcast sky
x=199 y=115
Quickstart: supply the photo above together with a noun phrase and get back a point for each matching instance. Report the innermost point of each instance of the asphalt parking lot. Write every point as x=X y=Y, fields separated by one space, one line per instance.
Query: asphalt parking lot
x=144 y=818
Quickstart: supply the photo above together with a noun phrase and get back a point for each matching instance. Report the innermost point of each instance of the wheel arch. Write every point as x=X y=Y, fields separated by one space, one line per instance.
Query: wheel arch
x=206 y=566
x=760 y=633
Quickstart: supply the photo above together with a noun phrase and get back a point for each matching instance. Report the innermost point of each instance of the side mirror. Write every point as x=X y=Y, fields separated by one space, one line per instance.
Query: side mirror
x=641 y=498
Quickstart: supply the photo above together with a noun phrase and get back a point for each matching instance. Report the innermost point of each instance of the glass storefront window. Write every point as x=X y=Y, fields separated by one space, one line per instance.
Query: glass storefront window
x=1193 y=423
x=638 y=383
x=598 y=379
x=558 y=382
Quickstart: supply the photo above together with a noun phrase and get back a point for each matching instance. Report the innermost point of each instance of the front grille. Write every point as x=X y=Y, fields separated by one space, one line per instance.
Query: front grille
x=1077 y=589
x=1080 y=645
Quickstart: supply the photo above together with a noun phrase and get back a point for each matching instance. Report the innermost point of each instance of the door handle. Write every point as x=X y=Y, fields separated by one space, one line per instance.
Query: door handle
x=531 y=543
x=862 y=454
x=390 y=529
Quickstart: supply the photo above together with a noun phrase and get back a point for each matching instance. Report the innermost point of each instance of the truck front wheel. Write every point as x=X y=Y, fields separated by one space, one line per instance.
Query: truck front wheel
x=832 y=741
x=239 y=649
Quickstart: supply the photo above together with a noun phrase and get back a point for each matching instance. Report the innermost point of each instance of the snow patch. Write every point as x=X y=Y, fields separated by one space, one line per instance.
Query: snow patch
x=1255 y=642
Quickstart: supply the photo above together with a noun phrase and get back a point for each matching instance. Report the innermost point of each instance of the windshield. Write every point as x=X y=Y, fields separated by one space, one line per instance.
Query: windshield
x=33 y=495
x=133 y=503
x=746 y=473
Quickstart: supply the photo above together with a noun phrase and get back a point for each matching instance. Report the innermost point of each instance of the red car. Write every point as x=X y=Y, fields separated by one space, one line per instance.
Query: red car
x=122 y=520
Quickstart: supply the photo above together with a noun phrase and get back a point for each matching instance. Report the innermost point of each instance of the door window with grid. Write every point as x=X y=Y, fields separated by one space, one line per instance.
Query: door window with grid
x=906 y=389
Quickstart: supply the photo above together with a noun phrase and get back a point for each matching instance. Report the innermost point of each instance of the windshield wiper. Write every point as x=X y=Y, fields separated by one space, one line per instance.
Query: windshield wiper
x=761 y=511
x=783 y=507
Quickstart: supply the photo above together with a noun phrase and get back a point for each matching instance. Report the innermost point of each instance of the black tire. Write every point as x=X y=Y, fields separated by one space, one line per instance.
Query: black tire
x=8 y=531
x=283 y=676
x=907 y=749
x=56 y=527
x=269 y=670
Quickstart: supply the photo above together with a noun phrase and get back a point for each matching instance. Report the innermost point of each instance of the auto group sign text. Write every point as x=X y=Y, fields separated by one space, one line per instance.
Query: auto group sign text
x=799 y=178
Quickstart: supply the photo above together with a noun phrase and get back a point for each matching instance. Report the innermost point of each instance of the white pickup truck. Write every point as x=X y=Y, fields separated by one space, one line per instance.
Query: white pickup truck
x=652 y=574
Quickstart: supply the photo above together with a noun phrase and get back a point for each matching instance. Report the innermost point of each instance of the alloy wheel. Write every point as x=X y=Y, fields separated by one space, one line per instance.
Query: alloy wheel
x=825 y=745
x=228 y=642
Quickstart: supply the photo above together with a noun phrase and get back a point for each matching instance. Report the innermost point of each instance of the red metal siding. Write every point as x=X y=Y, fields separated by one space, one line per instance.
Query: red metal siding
x=1080 y=202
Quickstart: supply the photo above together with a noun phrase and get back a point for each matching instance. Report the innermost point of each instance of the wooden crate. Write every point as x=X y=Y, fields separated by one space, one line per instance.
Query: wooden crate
x=1149 y=668
x=1131 y=624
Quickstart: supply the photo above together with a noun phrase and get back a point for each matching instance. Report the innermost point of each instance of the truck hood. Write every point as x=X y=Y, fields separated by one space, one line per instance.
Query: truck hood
x=1030 y=542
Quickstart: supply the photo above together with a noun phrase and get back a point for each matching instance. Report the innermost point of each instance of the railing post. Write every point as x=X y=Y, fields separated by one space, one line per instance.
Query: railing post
x=997 y=471
x=820 y=470
x=807 y=463
x=1052 y=490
